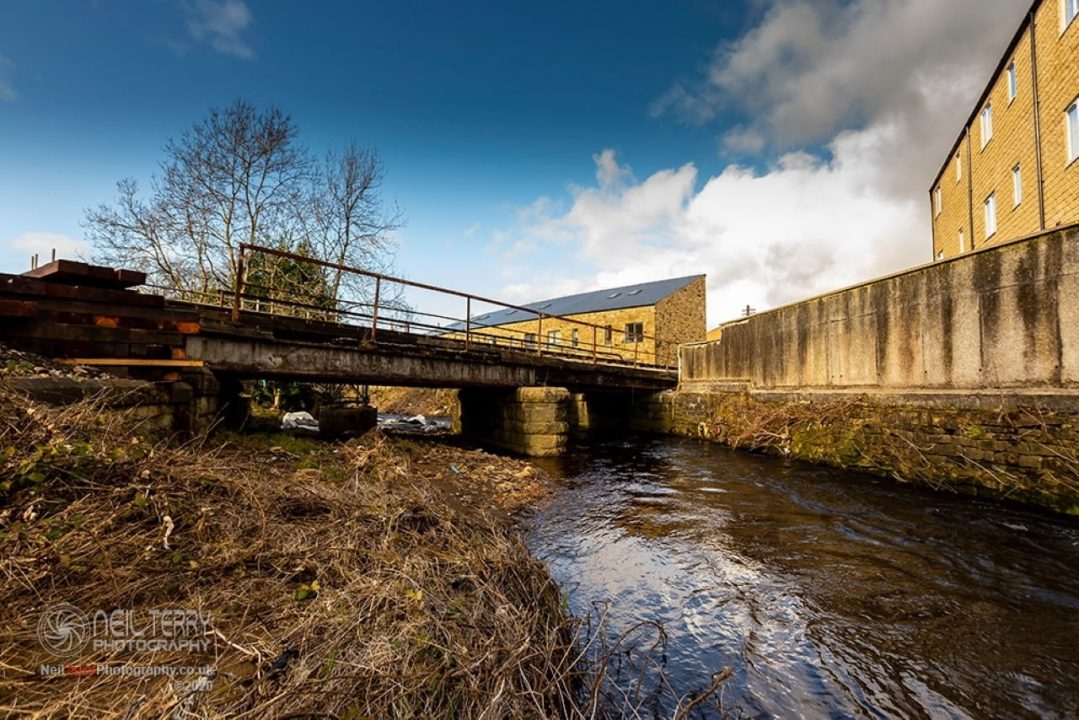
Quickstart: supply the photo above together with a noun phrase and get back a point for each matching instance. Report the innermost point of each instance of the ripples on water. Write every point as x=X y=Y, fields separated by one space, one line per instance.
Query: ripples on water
x=830 y=594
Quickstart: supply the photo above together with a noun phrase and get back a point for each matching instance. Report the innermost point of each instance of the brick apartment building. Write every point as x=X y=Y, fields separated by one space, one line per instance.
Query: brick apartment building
x=1014 y=170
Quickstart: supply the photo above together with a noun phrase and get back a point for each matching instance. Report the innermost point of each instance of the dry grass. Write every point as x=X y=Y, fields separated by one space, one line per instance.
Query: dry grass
x=338 y=583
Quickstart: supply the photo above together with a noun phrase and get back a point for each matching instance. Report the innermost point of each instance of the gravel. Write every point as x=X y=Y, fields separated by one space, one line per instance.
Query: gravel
x=20 y=364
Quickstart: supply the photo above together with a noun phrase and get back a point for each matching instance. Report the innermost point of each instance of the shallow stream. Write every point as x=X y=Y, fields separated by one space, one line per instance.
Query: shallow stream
x=828 y=594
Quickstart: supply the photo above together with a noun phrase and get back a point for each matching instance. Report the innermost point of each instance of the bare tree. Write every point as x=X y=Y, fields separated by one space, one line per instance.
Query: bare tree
x=238 y=176
x=351 y=226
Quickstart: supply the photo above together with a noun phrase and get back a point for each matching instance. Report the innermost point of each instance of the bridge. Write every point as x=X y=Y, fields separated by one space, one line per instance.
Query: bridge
x=516 y=390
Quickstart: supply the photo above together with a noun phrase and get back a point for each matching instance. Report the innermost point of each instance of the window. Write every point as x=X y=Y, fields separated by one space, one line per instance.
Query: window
x=575 y=337
x=554 y=337
x=958 y=167
x=1017 y=185
x=608 y=335
x=936 y=201
x=1071 y=122
x=530 y=338
x=990 y=215
x=962 y=245
x=634 y=332
x=987 y=124
x=1071 y=9
x=1013 y=85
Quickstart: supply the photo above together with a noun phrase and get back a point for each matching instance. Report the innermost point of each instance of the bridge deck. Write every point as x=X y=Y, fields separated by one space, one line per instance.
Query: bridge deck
x=147 y=335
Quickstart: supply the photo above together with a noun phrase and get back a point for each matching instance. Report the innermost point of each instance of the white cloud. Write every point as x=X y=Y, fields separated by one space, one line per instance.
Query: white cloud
x=7 y=89
x=858 y=102
x=43 y=243
x=221 y=24
x=803 y=228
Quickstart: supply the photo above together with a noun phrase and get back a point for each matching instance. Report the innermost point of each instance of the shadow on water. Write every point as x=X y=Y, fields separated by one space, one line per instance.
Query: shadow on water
x=829 y=594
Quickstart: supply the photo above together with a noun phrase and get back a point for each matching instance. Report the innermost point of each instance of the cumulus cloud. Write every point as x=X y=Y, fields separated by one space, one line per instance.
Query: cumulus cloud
x=7 y=89
x=43 y=243
x=811 y=69
x=804 y=227
x=850 y=105
x=221 y=24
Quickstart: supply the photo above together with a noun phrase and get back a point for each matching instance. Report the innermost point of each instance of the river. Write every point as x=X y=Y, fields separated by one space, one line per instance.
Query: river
x=828 y=594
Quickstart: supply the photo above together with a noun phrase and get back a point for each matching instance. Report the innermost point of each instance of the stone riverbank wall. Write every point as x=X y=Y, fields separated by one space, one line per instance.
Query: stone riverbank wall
x=962 y=374
x=154 y=410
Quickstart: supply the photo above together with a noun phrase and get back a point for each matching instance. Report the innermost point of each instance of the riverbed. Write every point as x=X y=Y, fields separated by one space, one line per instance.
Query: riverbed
x=828 y=594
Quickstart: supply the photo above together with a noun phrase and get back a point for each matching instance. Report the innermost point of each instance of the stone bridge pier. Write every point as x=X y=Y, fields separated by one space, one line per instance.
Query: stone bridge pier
x=538 y=421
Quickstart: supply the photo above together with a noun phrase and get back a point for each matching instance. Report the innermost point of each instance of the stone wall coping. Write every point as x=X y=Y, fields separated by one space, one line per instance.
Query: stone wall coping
x=1065 y=399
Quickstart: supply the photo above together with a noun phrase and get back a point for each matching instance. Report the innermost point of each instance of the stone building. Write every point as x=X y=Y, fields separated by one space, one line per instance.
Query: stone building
x=1013 y=170
x=645 y=322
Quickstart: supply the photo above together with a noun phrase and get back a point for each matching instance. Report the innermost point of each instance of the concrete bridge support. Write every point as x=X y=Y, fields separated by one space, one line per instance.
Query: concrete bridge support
x=528 y=420
x=538 y=421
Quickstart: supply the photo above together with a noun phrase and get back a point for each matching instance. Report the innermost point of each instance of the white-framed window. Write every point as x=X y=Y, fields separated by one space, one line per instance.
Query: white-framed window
x=958 y=167
x=1071 y=128
x=575 y=337
x=1071 y=9
x=987 y=124
x=554 y=337
x=1017 y=185
x=937 y=201
x=1013 y=83
x=991 y=215
x=962 y=243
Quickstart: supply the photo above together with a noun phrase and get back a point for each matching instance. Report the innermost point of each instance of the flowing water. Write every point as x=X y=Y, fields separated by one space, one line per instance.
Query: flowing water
x=829 y=594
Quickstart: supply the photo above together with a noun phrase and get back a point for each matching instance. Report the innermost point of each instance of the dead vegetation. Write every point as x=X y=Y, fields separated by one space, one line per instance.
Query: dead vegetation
x=955 y=451
x=336 y=581
x=412 y=400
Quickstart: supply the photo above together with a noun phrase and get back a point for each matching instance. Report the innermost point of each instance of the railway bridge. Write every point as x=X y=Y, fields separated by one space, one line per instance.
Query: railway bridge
x=515 y=392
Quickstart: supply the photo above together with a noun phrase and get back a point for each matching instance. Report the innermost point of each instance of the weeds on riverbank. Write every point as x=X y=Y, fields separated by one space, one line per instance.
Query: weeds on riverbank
x=1023 y=453
x=340 y=584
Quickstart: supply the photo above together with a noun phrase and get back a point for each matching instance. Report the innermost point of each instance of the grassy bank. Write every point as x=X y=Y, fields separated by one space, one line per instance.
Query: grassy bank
x=375 y=578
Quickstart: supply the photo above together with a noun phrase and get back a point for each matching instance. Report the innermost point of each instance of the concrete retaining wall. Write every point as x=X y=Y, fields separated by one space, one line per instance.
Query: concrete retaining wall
x=1003 y=317
x=961 y=375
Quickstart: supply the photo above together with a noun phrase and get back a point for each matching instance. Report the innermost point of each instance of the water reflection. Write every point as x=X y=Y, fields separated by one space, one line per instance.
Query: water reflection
x=829 y=594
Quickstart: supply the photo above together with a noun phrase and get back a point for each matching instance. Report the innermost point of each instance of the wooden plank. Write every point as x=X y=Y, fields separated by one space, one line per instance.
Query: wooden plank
x=19 y=285
x=18 y=308
x=129 y=362
x=148 y=317
x=93 y=333
x=73 y=272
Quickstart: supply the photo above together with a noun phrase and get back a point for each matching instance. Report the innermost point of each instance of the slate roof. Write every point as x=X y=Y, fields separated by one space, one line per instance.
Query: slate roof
x=618 y=298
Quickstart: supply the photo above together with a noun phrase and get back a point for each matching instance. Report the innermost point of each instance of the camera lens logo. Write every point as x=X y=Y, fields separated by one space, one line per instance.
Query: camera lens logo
x=62 y=629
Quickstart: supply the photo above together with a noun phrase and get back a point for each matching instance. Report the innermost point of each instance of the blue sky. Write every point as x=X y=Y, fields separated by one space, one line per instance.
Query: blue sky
x=535 y=149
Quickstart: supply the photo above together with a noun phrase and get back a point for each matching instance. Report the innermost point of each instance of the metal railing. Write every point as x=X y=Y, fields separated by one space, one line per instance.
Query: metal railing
x=469 y=331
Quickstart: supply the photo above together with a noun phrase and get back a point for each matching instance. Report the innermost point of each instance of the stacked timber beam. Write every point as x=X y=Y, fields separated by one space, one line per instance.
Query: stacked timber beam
x=88 y=314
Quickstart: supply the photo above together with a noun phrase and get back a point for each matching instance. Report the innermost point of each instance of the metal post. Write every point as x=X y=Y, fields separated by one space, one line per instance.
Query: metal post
x=468 y=321
x=539 y=334
x=374 y=314
x=239 y=283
